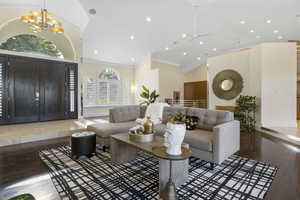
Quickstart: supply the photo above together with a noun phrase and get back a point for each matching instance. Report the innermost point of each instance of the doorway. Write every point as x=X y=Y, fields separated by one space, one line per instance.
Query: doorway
x=195 y=94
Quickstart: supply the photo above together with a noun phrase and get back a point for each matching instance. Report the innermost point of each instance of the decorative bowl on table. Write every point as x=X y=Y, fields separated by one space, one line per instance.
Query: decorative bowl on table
x=141 y=137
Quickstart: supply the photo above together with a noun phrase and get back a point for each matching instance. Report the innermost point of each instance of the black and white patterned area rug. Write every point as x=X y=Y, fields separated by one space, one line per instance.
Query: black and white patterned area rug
x=99 y=178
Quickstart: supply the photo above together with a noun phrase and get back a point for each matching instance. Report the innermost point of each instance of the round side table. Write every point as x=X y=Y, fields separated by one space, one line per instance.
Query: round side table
x=83 y=144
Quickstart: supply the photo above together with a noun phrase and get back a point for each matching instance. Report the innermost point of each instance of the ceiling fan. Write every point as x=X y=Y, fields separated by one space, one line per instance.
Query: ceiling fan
x=190 y=37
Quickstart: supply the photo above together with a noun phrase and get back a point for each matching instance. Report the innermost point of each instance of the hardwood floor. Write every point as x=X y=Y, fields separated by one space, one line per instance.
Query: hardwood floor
x=21 y=171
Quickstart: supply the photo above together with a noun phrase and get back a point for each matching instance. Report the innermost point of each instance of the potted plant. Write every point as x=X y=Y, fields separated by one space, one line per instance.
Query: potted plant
x=149 y=97
x=245 y=112
x=175 y=133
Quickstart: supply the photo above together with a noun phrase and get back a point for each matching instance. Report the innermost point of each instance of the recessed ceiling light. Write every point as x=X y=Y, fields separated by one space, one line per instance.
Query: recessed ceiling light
x=167 y=48
x=198 y=58
x=252 y=31
x=214 y=49
x=148 y=19
x=269 y=21
x=258 y=36
x=132 y=37
x=200 y=42
x=242 y=22
x=132 y=59
x=275 y=31
x=184 y=53
x=183 y=35
x=96 y=52
x=280 y=37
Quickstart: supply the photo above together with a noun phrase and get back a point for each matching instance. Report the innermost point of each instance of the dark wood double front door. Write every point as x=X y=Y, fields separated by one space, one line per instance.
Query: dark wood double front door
x=38 y=90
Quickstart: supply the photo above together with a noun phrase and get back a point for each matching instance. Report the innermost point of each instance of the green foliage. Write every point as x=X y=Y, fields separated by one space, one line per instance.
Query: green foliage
x=31 y=44
x=149 y=97
x=245 y=112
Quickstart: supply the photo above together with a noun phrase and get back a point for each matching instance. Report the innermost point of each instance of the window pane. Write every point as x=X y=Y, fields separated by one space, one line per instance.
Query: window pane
x=103 y=93
x=31 y=44
x=91 y=92
x=115 y=92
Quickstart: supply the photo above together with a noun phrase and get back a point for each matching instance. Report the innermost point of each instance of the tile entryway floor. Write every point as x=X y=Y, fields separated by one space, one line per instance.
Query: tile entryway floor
x=22 y=133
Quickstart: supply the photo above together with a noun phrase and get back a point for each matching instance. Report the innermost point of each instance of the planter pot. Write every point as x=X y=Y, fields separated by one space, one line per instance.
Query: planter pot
x=174 y=137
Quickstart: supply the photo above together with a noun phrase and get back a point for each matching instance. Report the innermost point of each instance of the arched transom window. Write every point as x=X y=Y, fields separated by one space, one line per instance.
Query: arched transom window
x=106 y=89
x=32 y=44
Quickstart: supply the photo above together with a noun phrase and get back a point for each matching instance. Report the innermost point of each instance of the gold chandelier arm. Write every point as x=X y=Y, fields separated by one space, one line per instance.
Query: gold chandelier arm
x=42 y=21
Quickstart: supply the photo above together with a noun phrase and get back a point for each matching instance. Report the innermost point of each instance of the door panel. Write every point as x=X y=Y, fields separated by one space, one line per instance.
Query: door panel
x=52 y=91
x=196 y=91
x=23 y=87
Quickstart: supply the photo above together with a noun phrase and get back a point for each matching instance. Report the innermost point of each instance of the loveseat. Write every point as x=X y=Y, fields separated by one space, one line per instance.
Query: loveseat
x=216 y=137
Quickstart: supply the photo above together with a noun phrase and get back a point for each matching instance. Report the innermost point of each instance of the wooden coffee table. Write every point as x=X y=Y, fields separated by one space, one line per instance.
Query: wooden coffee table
x=174 y=168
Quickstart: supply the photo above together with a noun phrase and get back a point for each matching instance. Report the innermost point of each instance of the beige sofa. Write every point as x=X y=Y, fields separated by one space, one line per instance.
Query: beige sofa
x=216 y=138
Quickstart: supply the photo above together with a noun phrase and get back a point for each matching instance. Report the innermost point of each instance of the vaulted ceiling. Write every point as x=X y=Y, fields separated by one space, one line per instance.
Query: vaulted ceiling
x=127 y=31
x=229 y=24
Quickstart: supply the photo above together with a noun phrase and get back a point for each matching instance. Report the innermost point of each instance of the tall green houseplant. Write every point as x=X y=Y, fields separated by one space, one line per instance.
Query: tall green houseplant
x=147 y=96
x=245 y=112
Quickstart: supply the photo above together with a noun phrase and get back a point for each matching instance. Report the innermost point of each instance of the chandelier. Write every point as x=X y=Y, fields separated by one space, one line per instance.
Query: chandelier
x=40 y=21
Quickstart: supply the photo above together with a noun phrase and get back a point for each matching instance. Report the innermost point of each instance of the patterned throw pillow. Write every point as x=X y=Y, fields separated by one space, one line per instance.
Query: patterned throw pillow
x=191 y=122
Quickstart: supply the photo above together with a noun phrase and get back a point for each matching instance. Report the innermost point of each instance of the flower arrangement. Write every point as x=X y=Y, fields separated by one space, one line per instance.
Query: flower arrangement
x=191 y=123
x=179 y=118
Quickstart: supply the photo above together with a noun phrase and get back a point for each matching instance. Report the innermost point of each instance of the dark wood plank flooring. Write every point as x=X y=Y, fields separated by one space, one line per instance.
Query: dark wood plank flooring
x=21 y=171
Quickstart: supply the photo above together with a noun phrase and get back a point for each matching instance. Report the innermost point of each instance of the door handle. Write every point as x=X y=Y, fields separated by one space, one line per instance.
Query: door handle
x=37 y=96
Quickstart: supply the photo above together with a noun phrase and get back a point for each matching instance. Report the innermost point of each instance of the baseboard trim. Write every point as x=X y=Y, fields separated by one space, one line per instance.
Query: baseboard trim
x=279 y=124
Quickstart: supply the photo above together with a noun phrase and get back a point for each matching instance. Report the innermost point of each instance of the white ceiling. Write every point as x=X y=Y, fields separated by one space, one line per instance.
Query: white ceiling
x=110 y=29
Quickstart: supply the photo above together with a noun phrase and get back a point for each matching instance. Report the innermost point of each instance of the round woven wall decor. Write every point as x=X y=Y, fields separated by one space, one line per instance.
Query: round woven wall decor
x=229 y=76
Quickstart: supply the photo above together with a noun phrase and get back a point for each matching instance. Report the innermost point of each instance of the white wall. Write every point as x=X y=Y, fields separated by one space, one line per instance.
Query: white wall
x=197 y=74
x=238 y=61
x=145 y=75
x=255 y=77
x=170 y=79
x=269 y=72
x=279 y=85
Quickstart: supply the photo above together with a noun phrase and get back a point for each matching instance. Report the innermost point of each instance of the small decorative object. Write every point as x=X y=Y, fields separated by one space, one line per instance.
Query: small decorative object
x=175 y=133
x=149 y=97
x=148 y=126
x=245 y=112
x=227 y=84
x=143 y=132
x=191 y=122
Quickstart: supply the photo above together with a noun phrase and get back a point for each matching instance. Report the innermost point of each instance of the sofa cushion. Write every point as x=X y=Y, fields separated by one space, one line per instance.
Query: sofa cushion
x=210 y=118
x=199 y=139
x=172 y=111
x=108 y=129
x=143 y=111
x=124 y=113
x=160 y=129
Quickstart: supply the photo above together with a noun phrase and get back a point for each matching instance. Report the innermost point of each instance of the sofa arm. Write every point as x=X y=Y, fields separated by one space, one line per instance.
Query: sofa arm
x=226 y=140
